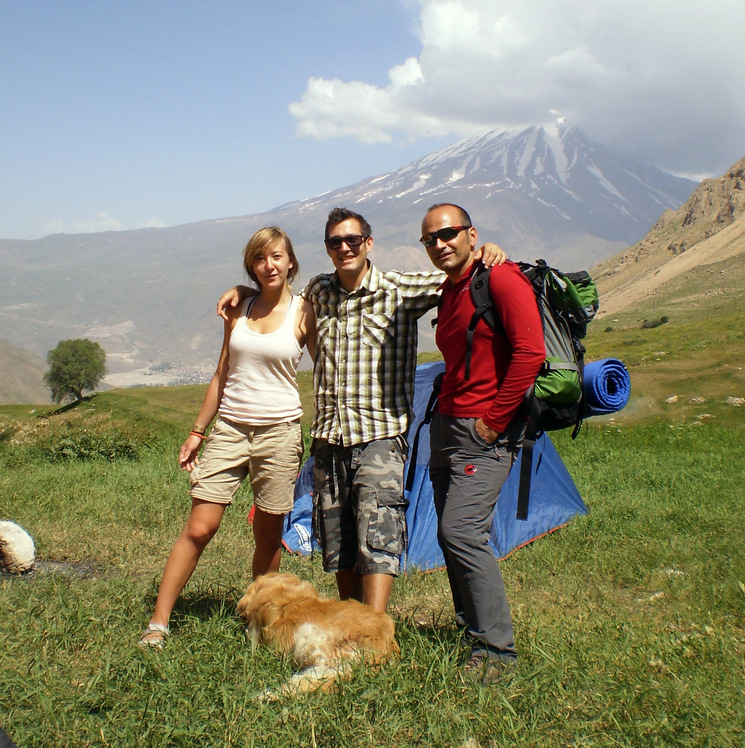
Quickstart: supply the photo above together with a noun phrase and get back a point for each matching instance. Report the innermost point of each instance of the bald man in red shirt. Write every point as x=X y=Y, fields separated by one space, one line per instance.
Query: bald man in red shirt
x=477 y=429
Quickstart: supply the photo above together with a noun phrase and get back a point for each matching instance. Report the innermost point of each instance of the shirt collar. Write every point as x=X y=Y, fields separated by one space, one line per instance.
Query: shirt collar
x=369 y=283
x=447 y=283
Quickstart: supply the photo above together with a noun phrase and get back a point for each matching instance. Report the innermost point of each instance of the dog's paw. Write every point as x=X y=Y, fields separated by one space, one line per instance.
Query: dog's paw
x=269 y=694
x=317 y=678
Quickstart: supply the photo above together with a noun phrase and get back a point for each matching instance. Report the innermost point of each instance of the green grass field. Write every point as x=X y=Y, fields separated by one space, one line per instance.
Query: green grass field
x=629 y=621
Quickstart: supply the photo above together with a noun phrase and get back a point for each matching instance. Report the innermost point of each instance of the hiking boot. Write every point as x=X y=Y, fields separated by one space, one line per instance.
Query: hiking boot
x=480 y=668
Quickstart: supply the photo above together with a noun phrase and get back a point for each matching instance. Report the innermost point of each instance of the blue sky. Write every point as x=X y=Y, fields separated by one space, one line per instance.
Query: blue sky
x=122 y=115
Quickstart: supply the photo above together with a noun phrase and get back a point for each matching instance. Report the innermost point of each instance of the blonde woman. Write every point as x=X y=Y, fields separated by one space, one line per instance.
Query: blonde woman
x=254 y=395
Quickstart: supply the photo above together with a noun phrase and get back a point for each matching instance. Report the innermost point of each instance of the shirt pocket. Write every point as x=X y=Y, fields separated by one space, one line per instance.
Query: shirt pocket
x=377 y=330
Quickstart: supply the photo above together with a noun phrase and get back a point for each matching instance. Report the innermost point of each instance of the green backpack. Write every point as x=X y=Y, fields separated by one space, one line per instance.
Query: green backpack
x=566 y=303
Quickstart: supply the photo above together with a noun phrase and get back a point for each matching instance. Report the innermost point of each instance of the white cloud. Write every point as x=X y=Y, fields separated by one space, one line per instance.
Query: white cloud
x=153 y=223
x=408 y=74
x=102 y=221
x=332 y=108
x=658 y=80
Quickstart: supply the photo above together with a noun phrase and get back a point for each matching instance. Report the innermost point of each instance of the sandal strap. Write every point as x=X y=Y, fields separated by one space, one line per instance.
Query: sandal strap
x=158 y=627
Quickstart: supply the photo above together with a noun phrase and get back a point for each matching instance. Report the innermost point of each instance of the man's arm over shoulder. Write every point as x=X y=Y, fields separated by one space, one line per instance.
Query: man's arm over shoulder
x=232 y=298
x=315 y=286
x=420 y=290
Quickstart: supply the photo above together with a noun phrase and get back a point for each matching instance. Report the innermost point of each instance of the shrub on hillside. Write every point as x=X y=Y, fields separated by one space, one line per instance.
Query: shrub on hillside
x=651 y=323
x=88 y=445
x=73 y=438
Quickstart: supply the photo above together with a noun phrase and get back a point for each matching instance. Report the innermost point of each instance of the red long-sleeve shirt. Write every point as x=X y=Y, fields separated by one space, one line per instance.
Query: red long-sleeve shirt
x=503 y=366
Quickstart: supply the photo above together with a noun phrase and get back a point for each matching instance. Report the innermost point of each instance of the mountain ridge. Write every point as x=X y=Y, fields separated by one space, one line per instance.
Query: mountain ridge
x=708 y=228
x=148 y=295
x=510 y=183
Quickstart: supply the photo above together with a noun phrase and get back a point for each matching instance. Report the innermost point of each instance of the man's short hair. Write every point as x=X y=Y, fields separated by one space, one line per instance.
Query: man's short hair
x=337 y=215
x=464 y=219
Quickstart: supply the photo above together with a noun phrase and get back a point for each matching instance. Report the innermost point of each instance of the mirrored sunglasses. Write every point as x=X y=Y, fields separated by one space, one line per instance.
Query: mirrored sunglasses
x=444 y=235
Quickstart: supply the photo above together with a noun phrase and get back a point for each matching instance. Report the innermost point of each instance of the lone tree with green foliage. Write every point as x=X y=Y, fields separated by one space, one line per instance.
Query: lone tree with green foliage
x=74 y=366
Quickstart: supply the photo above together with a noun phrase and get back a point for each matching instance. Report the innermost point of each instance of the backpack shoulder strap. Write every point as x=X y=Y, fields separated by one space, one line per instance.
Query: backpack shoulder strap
x=436 y=318
x=533 y=412
x=484 y=308
x=428 y=413
x=482 y=298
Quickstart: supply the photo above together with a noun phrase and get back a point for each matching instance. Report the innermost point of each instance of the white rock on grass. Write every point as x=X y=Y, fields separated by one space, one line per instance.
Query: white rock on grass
x=17 y=552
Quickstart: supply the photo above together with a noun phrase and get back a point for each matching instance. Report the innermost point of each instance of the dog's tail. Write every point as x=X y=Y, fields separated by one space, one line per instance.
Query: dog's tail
x=314 y=678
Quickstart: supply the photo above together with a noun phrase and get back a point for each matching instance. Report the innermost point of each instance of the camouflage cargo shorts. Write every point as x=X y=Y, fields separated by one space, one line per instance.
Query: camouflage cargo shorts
x=359 y=511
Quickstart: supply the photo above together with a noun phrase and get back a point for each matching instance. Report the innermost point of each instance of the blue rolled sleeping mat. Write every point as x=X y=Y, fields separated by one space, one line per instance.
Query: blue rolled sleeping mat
x=607 y=387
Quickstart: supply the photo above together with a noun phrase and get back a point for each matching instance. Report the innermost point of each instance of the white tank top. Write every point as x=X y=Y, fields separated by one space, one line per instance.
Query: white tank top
x=261 y=388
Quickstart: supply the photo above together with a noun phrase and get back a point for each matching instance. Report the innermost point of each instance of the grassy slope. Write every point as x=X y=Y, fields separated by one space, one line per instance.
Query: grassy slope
x=698 y=355
x=629 y=620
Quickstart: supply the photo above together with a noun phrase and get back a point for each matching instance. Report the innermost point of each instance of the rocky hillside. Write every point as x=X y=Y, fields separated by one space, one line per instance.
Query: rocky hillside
x=708 y=228
x=22 y=376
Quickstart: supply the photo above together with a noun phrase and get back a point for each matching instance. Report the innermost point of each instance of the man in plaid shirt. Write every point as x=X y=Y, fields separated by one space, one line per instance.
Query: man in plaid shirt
x=363 y=381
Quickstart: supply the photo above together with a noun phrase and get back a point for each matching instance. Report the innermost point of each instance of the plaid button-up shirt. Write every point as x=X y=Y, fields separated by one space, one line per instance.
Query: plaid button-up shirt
x=363 y=375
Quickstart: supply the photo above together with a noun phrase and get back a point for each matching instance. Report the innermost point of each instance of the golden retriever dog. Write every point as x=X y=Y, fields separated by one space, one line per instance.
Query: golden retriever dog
x=324 y=636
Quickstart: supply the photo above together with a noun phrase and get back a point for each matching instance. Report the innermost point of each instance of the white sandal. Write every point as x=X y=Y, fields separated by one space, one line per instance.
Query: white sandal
x=154 y=635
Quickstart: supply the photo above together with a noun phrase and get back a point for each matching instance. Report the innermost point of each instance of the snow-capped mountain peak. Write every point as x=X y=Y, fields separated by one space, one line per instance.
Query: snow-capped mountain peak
x=551 y=176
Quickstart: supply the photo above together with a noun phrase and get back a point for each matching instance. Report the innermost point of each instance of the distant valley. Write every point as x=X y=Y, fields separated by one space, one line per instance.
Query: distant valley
x=148 y=296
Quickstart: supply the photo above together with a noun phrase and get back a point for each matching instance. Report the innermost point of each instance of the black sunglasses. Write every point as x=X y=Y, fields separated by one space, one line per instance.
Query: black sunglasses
x=444 y=235
x=353 y=241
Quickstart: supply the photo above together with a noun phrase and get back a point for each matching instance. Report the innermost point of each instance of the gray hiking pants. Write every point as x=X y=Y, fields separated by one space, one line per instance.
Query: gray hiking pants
x=467 y=475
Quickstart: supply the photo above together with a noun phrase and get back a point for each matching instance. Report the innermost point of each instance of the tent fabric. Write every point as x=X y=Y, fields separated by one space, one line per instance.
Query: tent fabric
x=554 y=498
x=297 y=536
x=607 y=386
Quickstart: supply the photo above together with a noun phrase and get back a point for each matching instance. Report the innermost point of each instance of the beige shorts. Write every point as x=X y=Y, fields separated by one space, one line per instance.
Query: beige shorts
x=269 y=455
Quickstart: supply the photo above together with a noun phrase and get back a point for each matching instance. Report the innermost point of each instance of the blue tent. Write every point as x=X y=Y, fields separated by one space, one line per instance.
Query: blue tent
x=554 y=498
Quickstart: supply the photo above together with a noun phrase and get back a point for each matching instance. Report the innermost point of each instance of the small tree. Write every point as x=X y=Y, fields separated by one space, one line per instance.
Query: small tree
x=74 y=366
